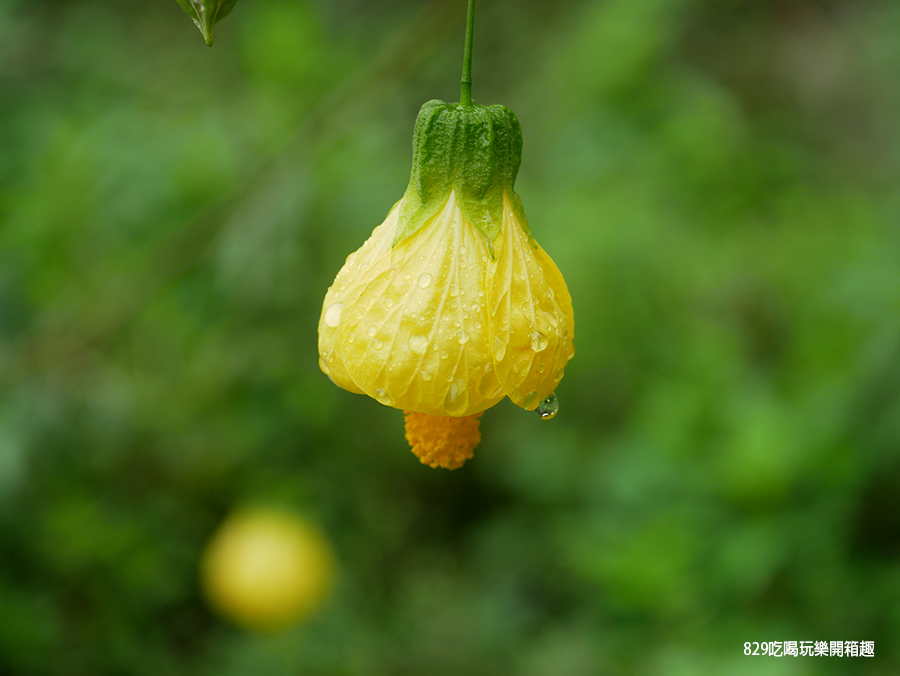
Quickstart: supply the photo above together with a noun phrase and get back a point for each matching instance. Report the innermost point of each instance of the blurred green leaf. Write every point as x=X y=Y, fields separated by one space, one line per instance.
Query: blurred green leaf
x=206 y=14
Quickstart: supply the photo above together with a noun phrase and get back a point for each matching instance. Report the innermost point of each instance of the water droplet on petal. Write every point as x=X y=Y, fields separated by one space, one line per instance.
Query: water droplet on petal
x=424 y=280
x=475 y=307
x=333 y=315
x=417 y=343
x=324 y=366
x=426 y=375
x=499 y=349
x=383 y=397
x=559 y=374
x=457 y=398
x=378 y=343
x=539 y=341
x=462 y=337
x=388 y=302
x=454 y=290
x=372 y=330
x=547 y=409
x=444 y=354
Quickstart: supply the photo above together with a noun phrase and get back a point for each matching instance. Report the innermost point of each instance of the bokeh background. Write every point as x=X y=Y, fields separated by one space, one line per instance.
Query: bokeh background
x=717 y=179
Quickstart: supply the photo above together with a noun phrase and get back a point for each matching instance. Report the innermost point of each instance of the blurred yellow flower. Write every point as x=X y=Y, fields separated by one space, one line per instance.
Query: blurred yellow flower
x=451 y=305
x=266 y=569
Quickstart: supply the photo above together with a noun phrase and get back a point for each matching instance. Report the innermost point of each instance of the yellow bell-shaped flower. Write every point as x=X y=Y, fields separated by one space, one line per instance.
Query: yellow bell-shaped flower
x=451 y=305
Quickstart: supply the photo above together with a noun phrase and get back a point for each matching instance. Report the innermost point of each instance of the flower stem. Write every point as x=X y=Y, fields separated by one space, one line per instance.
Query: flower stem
x=465 y=84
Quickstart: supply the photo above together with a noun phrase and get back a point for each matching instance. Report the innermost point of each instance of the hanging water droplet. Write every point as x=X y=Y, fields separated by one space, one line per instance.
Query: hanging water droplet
x=333 y=315
x=539 y=341
x=424 y=280
x=548 y=408
x=417 y=343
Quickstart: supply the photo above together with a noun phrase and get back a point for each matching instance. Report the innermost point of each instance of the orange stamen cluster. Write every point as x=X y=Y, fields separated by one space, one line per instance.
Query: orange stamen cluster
x=442 y=441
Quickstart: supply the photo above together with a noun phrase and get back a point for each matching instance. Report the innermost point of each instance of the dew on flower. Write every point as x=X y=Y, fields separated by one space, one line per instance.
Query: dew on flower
x=425 y=375
x=424 y=280
x=444 y=354
x=324 y=366
x=499 y=349
x=453 y=289
x=377 y=343
x=417 y=343
x=372 y=330
x=462 y=337
x=388 y=302
x=548 y=408
x=539 y=341
x=333 y=315
x=457 y=398
x=383 y=397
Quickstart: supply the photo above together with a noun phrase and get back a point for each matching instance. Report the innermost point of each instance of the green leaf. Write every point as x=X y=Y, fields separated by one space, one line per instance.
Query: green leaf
x=206 y=14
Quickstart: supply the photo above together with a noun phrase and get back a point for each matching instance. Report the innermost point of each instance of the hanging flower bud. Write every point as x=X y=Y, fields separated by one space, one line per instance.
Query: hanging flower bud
x=451 y=305
x=206 y=14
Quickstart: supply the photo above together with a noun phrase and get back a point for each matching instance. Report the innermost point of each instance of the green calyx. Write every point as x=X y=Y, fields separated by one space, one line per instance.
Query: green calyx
x=472 y=150
x=206 y=13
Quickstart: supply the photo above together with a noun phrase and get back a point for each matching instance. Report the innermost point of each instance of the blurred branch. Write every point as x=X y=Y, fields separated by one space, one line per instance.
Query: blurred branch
x=61 y=337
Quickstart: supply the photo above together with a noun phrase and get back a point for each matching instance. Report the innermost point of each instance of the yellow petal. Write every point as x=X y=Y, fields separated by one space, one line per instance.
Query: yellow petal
x=412 y=330
x=531 y=318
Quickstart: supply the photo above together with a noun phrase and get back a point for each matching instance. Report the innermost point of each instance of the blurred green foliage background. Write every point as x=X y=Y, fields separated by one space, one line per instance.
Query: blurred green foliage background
x=717 y=179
